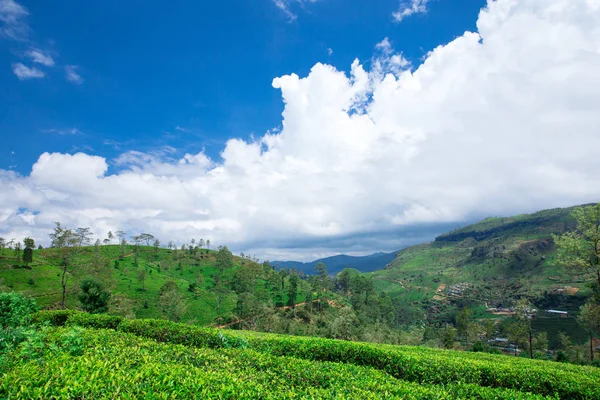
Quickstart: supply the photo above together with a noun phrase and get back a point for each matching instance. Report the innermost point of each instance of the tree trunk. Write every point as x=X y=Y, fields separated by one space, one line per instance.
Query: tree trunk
x=591 y=347
x=530 y=343
x=64 y=286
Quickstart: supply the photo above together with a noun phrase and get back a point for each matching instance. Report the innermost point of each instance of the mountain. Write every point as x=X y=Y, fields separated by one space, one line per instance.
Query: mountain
x=336 y=264
x=491 y=262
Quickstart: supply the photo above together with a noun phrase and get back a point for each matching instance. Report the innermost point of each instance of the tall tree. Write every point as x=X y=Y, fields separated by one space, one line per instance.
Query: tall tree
x=68 y=244
x=208 y=244
x=580 y=248
x=141 y=275
x=110 y=236
x=156 y=246
x=146 y=237
x=293 y=290
x=121 y=235
x=223 y=263
x=28 y=251
x=465 y=325
x=122 y=247
x=93 y=297
x=520 y=330
x=17 y=251
x=84 y=236
x=171 y=301
x=2 y=245
x=589 y=319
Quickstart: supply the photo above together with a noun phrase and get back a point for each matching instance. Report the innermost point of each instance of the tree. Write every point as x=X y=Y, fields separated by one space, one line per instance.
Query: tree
x=465 y=326
x=201 y=243
x=519 y=330
x=122 y=248
x=156 y=245
x=293 y=290
x=2 y=245
x=589 y=318
x=208 y=244
x=18 y=251
x=146 y=237
x=110 y=236
x=93 y=298
x=223 y=262
x=141 y=276
x=84 y=236
x=448 y=336
x=68 y=244
x=171 y=301
x=580 y=249
x=28 y=251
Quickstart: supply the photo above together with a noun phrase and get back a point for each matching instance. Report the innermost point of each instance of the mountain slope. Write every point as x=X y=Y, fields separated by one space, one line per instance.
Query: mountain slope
x=336 y=264
x=493 y=262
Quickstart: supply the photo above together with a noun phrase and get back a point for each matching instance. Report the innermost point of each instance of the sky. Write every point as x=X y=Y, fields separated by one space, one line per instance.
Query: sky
x=294 y=129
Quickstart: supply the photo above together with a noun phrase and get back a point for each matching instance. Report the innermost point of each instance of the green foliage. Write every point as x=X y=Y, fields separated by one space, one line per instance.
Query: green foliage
x=171 y=301
x=581 y=247
x=15 y=310
x=97 y=321
x=93 y=297
x=114 y=364
x=420 y=365
x=52 y=317
x=15 y=316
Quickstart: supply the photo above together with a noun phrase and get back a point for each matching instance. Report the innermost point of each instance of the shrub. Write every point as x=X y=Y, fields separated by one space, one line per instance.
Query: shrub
x=97 y=321
x=93 y=297
x=15 y=310
x=116 y=364
x=52 y=317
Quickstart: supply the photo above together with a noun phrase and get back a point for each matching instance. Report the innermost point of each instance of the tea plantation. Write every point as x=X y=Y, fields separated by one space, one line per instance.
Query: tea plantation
x=69 y=354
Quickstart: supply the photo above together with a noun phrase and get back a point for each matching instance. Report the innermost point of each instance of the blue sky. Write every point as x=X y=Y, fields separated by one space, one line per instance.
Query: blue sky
x=294 y=129
x=205 y=67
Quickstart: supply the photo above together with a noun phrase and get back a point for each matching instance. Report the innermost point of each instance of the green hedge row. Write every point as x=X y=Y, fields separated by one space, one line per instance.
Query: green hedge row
x=116 y=364
x=424 y=366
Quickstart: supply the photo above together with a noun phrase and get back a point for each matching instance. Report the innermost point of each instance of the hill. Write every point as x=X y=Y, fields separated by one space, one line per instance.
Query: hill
x=336 y=264
x=98 y=356
x=134 y=280
x=487 y=265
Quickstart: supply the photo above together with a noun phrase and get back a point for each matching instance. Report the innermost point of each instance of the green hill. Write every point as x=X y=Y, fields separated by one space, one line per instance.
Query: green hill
x=192 y=271
x=486 y=267
x=98 y=356
x=489 y=263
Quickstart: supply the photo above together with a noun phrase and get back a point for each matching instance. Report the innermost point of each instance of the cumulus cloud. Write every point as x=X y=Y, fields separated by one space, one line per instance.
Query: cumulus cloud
x=72 y=75
x=39 y=57
x=24 y=72
x=12 y=17
x=497 y=121
x=408 y=8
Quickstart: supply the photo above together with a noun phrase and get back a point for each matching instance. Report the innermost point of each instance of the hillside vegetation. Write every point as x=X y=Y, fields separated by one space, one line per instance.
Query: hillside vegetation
x=491 y=262
x=417 y=299
x=75 y=355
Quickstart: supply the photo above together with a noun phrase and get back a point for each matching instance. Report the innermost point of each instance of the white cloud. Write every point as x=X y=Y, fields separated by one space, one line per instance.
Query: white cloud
x=12 y=16
x=24 y=72
x=408 y=8
x=329 y=51
x=69 y=131
x=284 y=5
x=39 y=57
x=72 y=75
x=500 y=121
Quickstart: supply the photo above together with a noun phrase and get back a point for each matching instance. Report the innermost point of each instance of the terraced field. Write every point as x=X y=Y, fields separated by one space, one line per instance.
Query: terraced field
x=76 y=355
